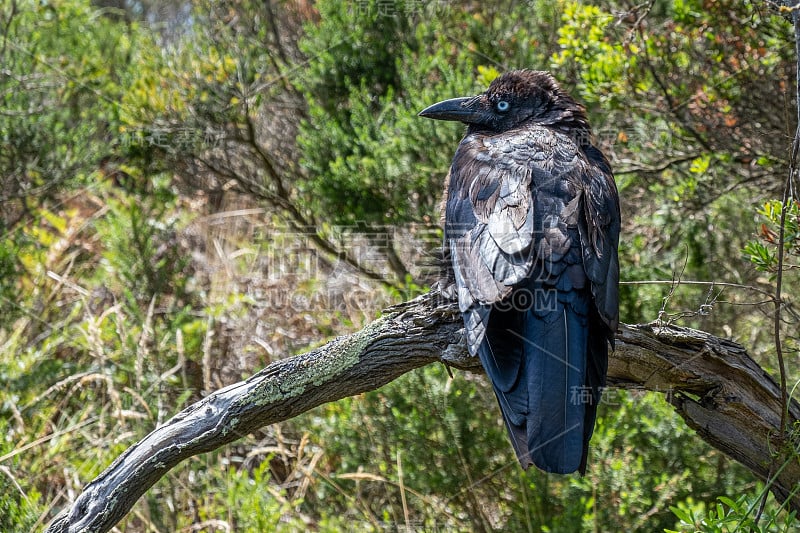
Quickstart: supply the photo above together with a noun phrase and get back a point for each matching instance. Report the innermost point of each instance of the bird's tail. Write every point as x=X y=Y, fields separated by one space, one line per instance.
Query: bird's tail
x=547 y=366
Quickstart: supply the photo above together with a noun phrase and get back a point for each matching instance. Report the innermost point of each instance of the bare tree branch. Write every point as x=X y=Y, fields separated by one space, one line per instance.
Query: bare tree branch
x=713 y=384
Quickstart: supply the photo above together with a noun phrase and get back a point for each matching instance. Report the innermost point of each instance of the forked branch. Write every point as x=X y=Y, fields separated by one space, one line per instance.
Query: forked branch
x=713 y=383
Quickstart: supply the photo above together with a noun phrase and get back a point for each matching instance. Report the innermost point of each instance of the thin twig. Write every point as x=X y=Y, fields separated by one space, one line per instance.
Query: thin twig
x=698 y=282
x=787 y=197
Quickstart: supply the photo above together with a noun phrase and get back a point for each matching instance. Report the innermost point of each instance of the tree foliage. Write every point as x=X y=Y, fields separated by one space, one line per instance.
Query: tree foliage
x=174 y=174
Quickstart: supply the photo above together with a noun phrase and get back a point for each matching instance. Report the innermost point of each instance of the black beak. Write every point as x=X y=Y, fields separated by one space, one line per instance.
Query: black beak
x=468 y=110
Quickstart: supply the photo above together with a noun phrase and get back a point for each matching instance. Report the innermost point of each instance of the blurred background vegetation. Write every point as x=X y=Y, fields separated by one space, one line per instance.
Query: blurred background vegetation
x=191 y=189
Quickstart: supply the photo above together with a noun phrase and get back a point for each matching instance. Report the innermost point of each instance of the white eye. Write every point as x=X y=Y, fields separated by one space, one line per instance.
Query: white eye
x=502 y=106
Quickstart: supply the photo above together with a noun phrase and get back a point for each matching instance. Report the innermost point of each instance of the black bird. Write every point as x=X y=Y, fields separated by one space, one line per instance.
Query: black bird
x=531 y=229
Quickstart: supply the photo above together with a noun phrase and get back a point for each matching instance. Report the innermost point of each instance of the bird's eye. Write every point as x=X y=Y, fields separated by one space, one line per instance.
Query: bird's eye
x=502 y=106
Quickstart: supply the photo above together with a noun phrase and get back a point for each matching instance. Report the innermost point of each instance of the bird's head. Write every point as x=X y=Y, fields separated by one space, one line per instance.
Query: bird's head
x=512 y=100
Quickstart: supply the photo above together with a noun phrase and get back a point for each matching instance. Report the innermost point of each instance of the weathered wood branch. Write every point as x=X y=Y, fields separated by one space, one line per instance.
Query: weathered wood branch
x=713 y=383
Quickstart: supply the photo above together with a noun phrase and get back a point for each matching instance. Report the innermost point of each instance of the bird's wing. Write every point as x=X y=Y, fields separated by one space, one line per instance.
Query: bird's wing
x=599 y=229
x=495 y=228
x=488 y=229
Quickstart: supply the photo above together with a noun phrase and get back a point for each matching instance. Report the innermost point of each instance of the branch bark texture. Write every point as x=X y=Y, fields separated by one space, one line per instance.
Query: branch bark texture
x=713 y=384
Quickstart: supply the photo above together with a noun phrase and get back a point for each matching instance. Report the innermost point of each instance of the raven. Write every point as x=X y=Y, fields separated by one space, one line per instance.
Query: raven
x=531 y=231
